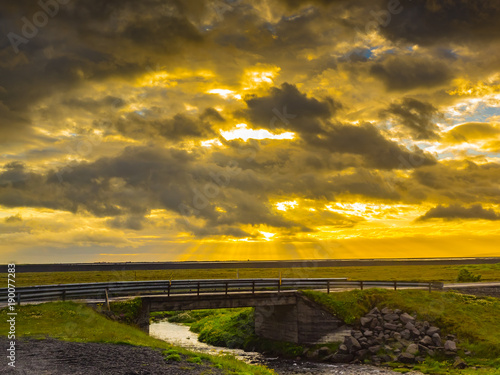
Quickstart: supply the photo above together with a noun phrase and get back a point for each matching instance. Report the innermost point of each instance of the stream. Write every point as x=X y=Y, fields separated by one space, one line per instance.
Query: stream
x=180 y=335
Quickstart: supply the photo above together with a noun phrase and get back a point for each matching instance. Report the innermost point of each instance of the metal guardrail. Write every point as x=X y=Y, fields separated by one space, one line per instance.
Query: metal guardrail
x=107 y=290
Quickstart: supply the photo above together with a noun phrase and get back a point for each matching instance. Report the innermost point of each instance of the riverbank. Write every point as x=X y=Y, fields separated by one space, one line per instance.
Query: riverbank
x=46 y=332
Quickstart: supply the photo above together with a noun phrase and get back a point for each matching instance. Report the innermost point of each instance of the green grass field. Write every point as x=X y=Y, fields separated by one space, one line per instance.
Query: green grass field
x=488 y=272
x=76 y=322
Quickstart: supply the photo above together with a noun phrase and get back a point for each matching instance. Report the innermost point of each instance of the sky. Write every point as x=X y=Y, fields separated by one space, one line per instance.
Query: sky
x=162 y=130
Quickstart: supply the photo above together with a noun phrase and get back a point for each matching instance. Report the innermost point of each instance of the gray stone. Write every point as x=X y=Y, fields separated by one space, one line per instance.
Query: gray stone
x=343 y=349
x=436 y=339
x=368 y=333
x=432 y=330
x=352 y=344
x=390 y=326
x=391 y=317
x=427 y=340
x=340 y=358
x=374 y=311
x=324 y=351
x=412 y=349
x=386 y=310
x=361 y=354
x=405 y=334
x=397 y=311
x=385 y=358
x=409 y=326
x=459 y=363
x=366 y=321
x=406 y=358
x=450 y=346
x=397 y=335
x=374 y=349
x=406 y=318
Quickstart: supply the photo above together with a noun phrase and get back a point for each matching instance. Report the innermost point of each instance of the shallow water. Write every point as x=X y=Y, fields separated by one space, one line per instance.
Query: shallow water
x=180 y=335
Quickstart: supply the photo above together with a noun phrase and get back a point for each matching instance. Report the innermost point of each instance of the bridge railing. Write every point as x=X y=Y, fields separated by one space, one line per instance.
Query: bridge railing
x=106 y=290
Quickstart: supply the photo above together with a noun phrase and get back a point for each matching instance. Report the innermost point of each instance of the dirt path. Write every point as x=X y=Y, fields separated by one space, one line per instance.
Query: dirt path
x=54 y=357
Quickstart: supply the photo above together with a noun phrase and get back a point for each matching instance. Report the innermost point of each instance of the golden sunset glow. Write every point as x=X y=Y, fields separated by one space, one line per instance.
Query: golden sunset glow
x=271 y=130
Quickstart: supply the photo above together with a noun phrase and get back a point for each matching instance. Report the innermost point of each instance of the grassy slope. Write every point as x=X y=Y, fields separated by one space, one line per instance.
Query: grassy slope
x=75 y=322
x=475 y=320
x=489 y=272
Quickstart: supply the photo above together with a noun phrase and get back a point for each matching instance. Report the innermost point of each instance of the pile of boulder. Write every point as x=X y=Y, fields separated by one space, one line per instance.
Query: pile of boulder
x=388 y=335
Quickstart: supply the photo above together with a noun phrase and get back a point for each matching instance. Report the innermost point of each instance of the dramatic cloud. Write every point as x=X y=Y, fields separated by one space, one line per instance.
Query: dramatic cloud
x=459 y=212
x=246 y=129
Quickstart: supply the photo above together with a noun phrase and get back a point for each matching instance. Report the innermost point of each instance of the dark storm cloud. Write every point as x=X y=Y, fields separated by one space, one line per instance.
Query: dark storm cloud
x=430 y=22
x=407 y=72
x=415 y=115
x=180 y=127
x=288 y=108
x=459 y=212
x=83 y=41
x=465 y=182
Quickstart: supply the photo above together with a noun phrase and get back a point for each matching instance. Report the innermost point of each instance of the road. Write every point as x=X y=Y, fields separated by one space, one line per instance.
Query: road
x=131 y=266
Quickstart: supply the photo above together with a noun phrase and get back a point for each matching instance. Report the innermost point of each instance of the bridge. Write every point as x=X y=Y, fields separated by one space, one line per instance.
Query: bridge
x=281 y=312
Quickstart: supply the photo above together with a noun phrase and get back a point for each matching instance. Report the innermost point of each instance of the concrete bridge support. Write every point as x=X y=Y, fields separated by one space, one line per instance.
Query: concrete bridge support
x=304 y=322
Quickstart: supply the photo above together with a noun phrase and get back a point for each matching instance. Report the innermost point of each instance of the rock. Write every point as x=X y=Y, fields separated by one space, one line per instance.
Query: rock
x=361 y=354
x=343 y=349
x=426 y=341
x=406 y=358
x=459 y=363
x=467 y=352
x=374 y=349
x=386 y=310
x=406 y=318
x=436 y=339
x=385 y=358
x=409 y=326
x=391 y=317
x=352 y=344
x=397 y=311
x=324 y=351
x=390 y=326
x=340 y=358
x=374 y=311
x=405 y=334
x=412 y=349
x=366 y=321
x=419 y=359
x=450 y=346
x=357 y=334
x=450 y=337
x=397 y=336
x=432 y=330
x=368 y=333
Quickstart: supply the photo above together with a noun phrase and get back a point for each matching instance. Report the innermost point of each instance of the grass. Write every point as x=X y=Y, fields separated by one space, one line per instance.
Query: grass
x=488 y=272
x=475 y=321
x=76 y=322
x=232 y=328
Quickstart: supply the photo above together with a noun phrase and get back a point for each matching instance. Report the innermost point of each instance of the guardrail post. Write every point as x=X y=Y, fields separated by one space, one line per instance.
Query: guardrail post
x=226 y=288
x=430 y=287
x=395 y=285
x=107 y=298
x=198 y=290
x=328 y=286
x=64 y=295
x=18 y=299
x=361 y=285
x=253 y=287
x=279 y=286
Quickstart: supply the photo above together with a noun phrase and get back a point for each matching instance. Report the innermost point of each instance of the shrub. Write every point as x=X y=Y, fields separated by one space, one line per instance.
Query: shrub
x=465 y=275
